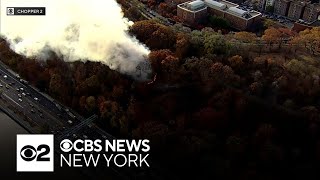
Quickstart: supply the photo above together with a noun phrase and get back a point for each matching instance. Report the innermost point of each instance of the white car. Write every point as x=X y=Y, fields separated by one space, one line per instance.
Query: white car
x=20 y=99
x=36 y=98
x=23 y=94
x=5 y=76
x=1 y=85
x=19 y=95
x=69 y=121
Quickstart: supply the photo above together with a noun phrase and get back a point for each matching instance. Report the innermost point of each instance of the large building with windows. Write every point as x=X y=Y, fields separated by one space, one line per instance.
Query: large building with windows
x=311 y=13
x=281 y=7
x=296 y=9
x=193 y=11
x=303 y=11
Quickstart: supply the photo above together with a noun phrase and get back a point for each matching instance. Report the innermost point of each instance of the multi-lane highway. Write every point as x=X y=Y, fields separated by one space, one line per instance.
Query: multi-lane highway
x=32 y=104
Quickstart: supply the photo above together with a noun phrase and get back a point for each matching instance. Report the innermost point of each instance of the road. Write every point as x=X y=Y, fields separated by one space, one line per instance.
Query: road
x=148 y=13
x=32 y=103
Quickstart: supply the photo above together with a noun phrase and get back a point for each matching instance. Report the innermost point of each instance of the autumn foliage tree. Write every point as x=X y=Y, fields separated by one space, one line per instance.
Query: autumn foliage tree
x=154 y=35
x=246 y=37
x=309 y=39
x=272 y=36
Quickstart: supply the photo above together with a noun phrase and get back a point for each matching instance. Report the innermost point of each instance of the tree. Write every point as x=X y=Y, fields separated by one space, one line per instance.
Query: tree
x=197 y=42
x=219 y=22
x=55 y=84
x=182 y=45
x=156 y=57
x=246 y=37
x=268 y=23
x=90 y=103
x=236 y=62
x=310 y=39
x=154 y=35
x=215 y=43
x=272 y=36
x=133 y=13
x=223 y=74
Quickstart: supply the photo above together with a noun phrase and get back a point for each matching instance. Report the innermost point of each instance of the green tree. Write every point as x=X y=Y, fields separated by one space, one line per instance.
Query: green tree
x=215 y=43
x=219 y=22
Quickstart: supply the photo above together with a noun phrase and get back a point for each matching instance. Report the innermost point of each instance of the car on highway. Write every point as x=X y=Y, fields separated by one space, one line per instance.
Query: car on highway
x=19 y=95
x=20 y=99
x=5 y=76
x=23 y=94
x=1 y=85
x=70 y=122
x=7 y=86
x=32 y=110
x=21 y=89
x=31 y=105
x=35 y=98
x=18 y=89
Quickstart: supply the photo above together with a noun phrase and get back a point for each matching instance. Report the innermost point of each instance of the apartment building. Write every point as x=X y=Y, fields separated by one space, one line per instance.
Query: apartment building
x=281 y=7
x=311 y=13
x=296 y=9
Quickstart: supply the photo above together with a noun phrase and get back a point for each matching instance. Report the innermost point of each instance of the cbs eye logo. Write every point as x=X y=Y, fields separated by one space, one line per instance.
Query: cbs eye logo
x=35 y=153
x=66 y=145
x=29 y=153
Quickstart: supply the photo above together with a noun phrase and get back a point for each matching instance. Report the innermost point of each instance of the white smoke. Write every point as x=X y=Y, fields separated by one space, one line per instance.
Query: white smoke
x=93 y=30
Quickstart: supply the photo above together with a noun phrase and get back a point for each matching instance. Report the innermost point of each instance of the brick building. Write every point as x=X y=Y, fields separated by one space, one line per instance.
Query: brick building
x=192 y=12
x=296 y=9
x=311 y=13
x=264 y=4
x=238 y=18
x=281 y=7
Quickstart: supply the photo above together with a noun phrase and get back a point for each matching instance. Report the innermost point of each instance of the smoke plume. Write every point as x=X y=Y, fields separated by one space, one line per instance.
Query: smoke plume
x=93 y=30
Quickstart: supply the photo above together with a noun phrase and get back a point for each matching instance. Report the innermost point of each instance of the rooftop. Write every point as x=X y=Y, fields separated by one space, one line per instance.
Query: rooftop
x=231 y=8
x=301 y=2
x=221 y=5
x=315 y=6
x=193 y=6
x=215 y=4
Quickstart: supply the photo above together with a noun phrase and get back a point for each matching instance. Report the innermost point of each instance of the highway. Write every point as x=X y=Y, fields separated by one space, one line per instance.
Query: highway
x=32 y=104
